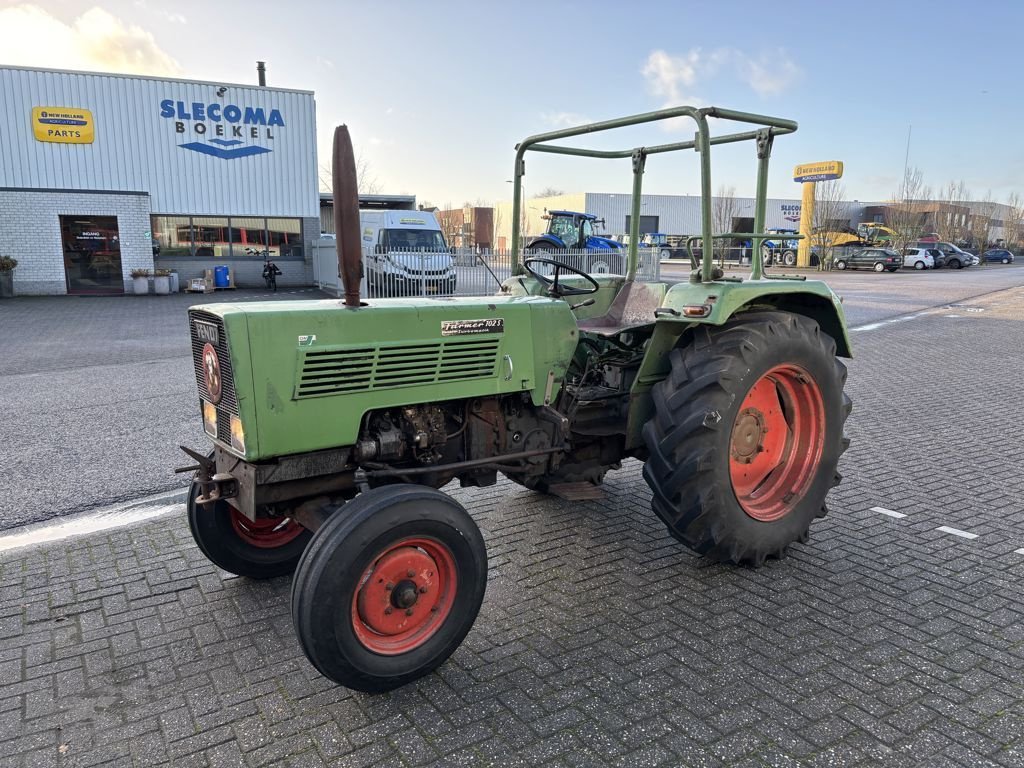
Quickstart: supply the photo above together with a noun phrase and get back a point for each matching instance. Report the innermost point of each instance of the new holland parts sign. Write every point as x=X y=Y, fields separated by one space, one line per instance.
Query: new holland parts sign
x=824 y=171
x=63 y=125
x=221 y=129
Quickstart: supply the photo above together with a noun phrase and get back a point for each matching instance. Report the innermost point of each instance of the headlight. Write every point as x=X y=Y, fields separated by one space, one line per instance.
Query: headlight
x=210 y=419
x=237 y=435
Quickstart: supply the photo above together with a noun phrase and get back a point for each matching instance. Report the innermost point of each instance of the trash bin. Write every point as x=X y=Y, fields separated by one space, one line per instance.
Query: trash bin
x=175 y=287
x=220 y=277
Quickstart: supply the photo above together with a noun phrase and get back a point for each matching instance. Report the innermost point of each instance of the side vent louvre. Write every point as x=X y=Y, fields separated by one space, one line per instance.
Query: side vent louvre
x=339 y=370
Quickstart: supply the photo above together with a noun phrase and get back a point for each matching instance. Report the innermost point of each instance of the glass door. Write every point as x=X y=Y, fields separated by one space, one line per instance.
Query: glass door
x=92 y=254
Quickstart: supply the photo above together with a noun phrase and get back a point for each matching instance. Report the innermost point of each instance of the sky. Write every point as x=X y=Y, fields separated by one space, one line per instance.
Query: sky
x=436 y=95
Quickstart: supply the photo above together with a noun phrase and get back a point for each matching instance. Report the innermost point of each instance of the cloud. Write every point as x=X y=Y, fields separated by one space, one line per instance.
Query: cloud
x=96 y=40
x=770 y=73
x=675 y=79
x=564 y=119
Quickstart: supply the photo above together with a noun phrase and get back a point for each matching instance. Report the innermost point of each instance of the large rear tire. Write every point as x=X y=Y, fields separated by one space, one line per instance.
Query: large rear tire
x=259 y=550
x=746 y=437
x=389 y=587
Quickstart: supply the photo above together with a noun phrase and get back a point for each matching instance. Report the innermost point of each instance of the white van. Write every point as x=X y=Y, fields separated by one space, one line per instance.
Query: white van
x=404 y=252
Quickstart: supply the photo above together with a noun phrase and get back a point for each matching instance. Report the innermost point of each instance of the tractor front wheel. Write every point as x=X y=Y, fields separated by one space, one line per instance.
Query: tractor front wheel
x=387 y=591
x=258 y=549
x=746 y=437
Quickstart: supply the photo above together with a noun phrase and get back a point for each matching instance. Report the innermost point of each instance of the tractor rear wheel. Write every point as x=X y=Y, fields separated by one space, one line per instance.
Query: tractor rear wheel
x=747 y=434
x=388 y=589
x=260 y=549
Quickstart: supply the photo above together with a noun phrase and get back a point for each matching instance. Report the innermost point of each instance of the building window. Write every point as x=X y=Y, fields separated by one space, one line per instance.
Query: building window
x=284 y=238
x=211 y=237
x=172 y=236
x=222 y=237
x=248 y=237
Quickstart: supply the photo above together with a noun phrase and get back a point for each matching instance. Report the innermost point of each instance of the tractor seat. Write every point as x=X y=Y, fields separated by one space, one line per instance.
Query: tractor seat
x=633 y=305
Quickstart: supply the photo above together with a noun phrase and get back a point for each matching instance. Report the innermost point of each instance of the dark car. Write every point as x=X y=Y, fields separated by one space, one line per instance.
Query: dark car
x=1001 y=255
x=878 y=259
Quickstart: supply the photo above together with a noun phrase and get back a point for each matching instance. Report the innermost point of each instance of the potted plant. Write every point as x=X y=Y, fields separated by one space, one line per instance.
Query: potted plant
x=7 y=265
x=140 y=281
x=162 y=282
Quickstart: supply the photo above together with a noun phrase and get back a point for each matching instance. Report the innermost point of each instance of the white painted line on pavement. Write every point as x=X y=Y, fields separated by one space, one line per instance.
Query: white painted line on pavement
x=89 y=522
x=957 y=532
x=874 y=326
x=1019 y=551
x=889 y=512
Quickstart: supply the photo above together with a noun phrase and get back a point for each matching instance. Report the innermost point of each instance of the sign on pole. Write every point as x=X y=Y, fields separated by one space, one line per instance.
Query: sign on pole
x=824 y=171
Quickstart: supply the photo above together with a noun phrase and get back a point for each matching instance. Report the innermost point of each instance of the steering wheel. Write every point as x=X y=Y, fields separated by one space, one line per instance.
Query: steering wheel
x=552 y=284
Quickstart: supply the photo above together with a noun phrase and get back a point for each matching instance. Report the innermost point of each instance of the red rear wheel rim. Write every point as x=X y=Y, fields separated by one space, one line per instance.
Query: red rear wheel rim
x=777 y=442
x=404 y=596
x=265 y=533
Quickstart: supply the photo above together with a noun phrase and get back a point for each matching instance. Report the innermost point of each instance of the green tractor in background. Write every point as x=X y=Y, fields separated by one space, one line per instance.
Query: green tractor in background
x=335 y=423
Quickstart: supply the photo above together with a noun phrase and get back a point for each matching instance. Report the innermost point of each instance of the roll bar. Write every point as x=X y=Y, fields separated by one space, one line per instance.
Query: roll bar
x=770 y=127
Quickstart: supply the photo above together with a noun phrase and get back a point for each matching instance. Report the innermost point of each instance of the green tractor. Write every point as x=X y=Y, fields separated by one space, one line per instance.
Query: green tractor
x=336 y=423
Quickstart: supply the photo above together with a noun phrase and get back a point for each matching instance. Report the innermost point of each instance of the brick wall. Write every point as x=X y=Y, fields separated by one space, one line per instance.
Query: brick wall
x=30 y=232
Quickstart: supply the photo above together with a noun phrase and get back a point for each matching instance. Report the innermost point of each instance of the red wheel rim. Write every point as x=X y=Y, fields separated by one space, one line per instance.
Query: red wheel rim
x=777 y=442
x=265 y=533
x=404 y=596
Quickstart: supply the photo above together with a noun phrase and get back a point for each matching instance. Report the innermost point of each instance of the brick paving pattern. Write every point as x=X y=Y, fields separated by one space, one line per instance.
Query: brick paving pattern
x=880 y=642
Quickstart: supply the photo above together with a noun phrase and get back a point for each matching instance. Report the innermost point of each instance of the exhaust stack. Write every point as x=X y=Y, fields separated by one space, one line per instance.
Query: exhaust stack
x=261 y=73
x=345 y=192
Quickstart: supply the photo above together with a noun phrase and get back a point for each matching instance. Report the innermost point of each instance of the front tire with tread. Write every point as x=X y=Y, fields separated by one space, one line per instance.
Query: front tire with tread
x=341 y=565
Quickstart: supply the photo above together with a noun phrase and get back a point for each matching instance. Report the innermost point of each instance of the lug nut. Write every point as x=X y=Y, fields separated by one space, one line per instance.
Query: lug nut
x=423 y=590
x=389 y=586
x=408 y=611
x=410 y=573
x=389 y=610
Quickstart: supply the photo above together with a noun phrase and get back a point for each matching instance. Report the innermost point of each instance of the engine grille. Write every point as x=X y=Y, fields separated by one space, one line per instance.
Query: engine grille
x=349 y=369
x=228 y=404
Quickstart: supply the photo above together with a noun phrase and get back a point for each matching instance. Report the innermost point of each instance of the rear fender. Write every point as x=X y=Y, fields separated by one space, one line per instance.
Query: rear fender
x=813 y=299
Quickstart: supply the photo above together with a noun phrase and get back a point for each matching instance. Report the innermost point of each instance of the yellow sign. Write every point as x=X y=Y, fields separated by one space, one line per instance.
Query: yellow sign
x=63 y=125
x=824 y=171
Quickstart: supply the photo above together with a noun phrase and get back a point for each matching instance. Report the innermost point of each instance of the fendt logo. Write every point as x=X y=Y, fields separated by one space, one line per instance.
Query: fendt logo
x=229 y=124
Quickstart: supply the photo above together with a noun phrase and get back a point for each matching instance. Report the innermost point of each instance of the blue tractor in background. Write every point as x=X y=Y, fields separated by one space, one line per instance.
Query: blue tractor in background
x=780 y=251
x=574 y=231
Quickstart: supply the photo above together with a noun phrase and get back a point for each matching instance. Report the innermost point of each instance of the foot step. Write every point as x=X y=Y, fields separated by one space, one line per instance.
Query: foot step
x=581 y=491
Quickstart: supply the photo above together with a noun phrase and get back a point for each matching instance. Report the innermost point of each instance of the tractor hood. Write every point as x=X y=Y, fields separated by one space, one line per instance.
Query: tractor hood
x=298 y=376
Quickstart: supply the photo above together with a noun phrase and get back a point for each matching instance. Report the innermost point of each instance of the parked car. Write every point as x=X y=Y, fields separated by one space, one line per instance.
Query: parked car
x=1000 y=255
x=878 y=259
x=919 y=258
x=955 y=257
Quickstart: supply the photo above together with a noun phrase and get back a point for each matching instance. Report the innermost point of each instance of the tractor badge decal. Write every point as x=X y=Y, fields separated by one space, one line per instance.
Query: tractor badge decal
x=211 y=373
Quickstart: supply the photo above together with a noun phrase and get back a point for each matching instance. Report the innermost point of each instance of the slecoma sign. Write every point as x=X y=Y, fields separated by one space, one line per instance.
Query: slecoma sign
x=227 y=124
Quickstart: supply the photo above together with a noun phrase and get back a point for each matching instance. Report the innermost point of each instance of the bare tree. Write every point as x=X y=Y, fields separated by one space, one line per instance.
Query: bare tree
x=830 y=213
x=904 y=215
x=1013 y=221
x=450 y=220
x=724 y=208
x=980 y=223
x=951 y=213
x=496 y=222
x=550 y=192
x=366 y=180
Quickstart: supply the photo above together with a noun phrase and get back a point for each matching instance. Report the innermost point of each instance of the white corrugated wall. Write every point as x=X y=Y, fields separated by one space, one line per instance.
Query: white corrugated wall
x=136 y=149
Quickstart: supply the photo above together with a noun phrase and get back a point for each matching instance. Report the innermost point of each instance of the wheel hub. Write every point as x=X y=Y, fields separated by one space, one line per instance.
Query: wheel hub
x=777 y=442
x=748 y=435
x=404 y=596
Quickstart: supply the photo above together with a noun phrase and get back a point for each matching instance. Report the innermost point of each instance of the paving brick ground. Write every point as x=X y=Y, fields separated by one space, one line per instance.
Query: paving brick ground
x=882 y=641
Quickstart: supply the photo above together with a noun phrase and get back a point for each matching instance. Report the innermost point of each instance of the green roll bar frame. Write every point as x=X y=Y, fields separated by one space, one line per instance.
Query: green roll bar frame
x=770 y=127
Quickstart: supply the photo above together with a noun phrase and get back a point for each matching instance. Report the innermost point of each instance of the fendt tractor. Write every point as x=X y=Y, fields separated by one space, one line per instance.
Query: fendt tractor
x=335 y=423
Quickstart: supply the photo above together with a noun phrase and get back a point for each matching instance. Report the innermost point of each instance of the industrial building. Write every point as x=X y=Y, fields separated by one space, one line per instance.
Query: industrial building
x=680 y=214
x=103 y=174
